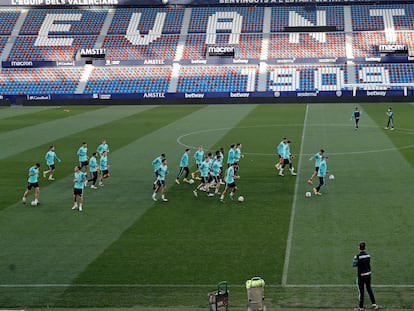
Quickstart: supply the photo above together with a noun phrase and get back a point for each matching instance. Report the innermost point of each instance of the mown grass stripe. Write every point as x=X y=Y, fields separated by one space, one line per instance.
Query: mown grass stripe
x=293 y=210
x=107 y=212
x=39 y=115
x=10 y=112
x=20 y=140
x=364 y=202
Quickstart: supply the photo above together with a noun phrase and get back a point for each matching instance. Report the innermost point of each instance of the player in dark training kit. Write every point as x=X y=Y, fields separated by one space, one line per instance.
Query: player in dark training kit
x=362 y=261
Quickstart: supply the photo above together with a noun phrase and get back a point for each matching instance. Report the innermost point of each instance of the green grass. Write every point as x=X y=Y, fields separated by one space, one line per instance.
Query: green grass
x=125 y=250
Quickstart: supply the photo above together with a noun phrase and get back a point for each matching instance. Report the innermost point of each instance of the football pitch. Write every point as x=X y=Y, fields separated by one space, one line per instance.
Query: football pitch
x=126 y=251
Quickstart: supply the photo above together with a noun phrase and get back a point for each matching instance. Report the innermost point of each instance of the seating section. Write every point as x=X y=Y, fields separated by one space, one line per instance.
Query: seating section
x=251 y=19
x=392 y=73
x=165 y=34
x=249 y=45
x=200 y=79
x=121 y=48
x=66 y=21
x=147 y=18
x=109 y=80
x=3 y=41
x=8 y=19
x=305 y=16
x=308 y=77
x=24 y=81
x=53 y=48
x=369 y=18
x=365 y=44
x=315 y=45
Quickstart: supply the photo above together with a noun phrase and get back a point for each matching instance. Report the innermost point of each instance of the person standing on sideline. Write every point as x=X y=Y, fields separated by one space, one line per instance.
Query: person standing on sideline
x=323 y=168
x=390 y=122
x=230 y=180
x=362 y=261
x=183 y=167
x=103 y=167
x=83 y=156
x=33 y=182
x=198 y=157
x=50 y=158
x=93 y=169
x=318 y=158
x=162 y=173
x=356 y=116
x=279 y=150
x=79 y=179
x=103 y=147
x=287 y=160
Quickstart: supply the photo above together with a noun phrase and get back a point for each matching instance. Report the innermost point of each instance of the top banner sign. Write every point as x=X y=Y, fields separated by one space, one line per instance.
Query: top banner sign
x=71 y=3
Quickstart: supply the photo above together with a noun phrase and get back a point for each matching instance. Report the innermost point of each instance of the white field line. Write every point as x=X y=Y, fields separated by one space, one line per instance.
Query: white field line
x=194 y=286
x=180 y=139
x=292 y=213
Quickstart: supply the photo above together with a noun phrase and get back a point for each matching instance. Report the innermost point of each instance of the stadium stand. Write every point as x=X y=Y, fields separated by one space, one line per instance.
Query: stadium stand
x=334 y=17
x=107 y=80
x=24 y=81
x=201 y=79
x=163 y=49
x=8 y=19
x=147 y=17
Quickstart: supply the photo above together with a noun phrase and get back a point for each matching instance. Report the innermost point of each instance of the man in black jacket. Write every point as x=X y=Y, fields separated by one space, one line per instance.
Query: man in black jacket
x=362 y=261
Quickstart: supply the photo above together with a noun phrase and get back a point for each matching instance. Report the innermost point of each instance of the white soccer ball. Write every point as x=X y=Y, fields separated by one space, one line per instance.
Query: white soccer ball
x=331 y=177
x=191 y=181
x=308 y=194
x=33 y=203
x=164 y=1
x=240 y=198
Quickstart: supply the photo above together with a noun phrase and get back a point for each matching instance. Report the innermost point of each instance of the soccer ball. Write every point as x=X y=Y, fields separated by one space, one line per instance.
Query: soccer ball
x=331 y=177
x=308 y=194
x=33 y=203
x=191 y=181
x=164 y=1
x=240 y=198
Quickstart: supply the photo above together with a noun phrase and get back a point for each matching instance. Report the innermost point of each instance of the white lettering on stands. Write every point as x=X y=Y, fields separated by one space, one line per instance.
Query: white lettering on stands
x=238 y=94
x=240 y=61
x=154 y=95
x=307 y=94
x=38 y=97
x=376 y=93
x=62 y=2
x=154 y=62
x=22 y=64
x=92 y=52
x=26 y=2
x=48 y=26
x=372 y=59
x=134 y=36
x=379 y=77
x=231 y=21
x=199 y=61
x=104 y=96
x=194 y=95
x=392 y=47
